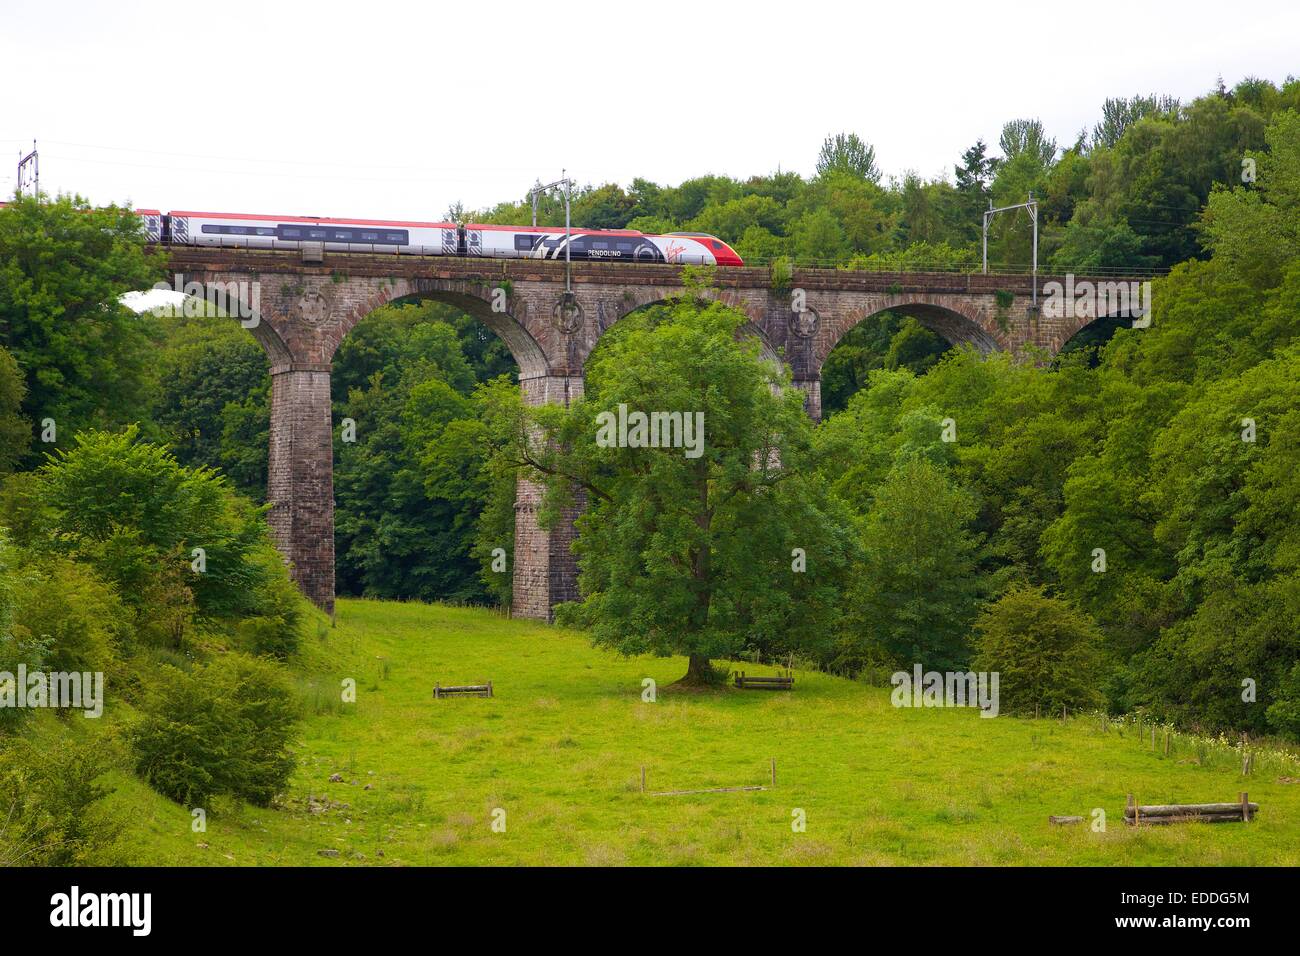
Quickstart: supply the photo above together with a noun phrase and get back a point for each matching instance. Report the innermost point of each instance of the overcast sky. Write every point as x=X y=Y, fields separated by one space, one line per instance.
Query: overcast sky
x=383 y=109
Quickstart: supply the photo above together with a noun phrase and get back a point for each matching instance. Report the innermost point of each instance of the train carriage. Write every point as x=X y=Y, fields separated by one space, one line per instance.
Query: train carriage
x=290 y=232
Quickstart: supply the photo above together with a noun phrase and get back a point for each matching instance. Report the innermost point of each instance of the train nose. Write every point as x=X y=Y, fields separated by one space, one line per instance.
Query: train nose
x=726 y=256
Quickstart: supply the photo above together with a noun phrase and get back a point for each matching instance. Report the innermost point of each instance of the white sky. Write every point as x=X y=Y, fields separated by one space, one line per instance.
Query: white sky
x=384 y=109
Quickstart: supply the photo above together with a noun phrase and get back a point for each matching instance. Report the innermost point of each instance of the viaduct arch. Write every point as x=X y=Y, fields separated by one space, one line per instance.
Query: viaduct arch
x=305 y=309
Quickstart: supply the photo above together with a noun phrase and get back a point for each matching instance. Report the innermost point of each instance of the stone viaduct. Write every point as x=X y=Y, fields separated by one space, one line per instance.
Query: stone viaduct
x=305 y=309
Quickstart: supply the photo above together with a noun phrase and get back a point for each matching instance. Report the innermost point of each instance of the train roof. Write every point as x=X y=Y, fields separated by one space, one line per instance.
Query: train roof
x=586 y=232
x=315 y=219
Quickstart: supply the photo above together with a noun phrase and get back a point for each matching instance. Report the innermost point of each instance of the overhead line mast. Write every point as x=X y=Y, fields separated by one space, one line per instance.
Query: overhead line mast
x=1032 y=208
x=535 y=194
x=29 y=172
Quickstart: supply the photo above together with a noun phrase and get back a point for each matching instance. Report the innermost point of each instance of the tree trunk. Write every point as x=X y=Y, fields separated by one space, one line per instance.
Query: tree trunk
x=699 y=672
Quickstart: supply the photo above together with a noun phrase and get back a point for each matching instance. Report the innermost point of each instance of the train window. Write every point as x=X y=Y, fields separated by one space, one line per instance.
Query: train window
x=625 y=247
x=316 y=233
x=263 y=231
x=289 y=232
x=524 y=242
x=398 y=237
x=370 y=236
x=599 y=245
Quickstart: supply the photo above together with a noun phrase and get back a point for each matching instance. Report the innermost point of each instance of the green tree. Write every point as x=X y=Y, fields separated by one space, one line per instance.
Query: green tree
x=1255 y=230
x=465 y=465
x=64 y=267
x=1118 y=114
x=15 y=430
x=422 y=504
x=214 y=396
x=688 y=548
x=133 y=512
x=76 y=617
x=220 y=728
x=884 y=340
x=920 y=586
x=1047 y=653
x=848 y=153
x=52 y=799
x=818 y=238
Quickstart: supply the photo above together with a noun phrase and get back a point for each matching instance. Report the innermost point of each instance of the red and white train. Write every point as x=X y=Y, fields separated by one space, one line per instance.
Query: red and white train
x=185 y=227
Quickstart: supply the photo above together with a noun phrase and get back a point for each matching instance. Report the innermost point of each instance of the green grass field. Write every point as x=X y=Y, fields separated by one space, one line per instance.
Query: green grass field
x=560 y=747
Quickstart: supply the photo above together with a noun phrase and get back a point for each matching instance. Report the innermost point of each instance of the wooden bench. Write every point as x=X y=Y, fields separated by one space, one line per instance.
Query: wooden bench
x=468 y=690
x=784 y=682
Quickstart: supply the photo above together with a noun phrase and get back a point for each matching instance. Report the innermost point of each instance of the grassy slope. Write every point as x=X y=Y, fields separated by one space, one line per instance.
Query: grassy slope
x=560 y=747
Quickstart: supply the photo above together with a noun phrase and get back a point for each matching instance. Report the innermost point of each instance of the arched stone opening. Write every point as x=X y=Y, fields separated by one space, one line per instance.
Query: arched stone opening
x=951 y=323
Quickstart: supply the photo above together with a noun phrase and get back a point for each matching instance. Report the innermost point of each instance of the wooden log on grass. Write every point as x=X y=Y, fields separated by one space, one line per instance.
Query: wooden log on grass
x=1182 y=809
x=1243 y=811
x=1234 y=817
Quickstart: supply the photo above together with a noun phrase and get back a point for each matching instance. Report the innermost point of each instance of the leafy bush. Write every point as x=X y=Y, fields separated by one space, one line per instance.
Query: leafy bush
x=223 y=728
x=1284 y=713
x=50 y=811
x=1193 y=673
x=135 y=514
x=73 y=613
x=15 y=430
x=14 y=651
x=921 y=584
x=1046 y=652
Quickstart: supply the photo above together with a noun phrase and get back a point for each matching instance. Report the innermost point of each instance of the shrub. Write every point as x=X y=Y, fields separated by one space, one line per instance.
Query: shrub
x=14 y=650
x=1284 y=713
x=15 y=430
x=50 y=811
x=76 y=615
x=1192 y=674
x=128 y=508
x=782 y=273
x=223 y=728
x=1045 y=650
x=276 y=606
x=920 y=584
